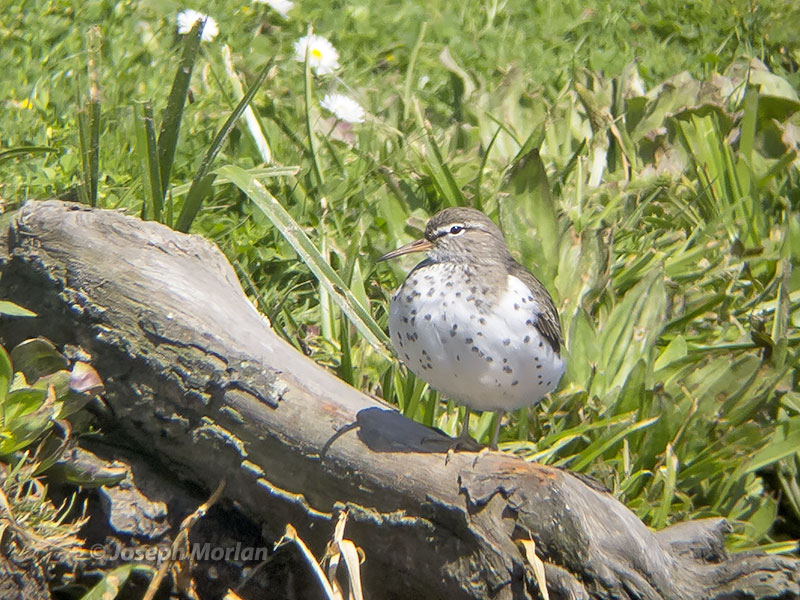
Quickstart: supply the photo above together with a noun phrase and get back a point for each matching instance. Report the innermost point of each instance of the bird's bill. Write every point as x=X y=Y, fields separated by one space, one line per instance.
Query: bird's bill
x=420 y=245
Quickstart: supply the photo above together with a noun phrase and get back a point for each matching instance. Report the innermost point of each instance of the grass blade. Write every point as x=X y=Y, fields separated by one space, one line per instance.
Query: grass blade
x=6 y=377
x=631 y=329
x=147 y=151
x=89 y=122
x=201 y=182
x=440 y=173
x=482 y=168
x=358 y=315
x=312 y=144
x=114 y=580
x=784 y=442
x=601 y=445
x=412 y=61
x=171 y=121
x=668 y=474
x=19 y=151
x=253 y=124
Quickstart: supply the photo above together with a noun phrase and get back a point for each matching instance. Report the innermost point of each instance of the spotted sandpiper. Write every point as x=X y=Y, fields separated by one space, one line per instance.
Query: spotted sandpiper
x=473 y=322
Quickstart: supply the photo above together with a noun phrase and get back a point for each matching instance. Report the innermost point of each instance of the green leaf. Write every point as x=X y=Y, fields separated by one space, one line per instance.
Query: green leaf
x=782 y=314
x=467 y=86
x=529 y=215
x=748 y=125
x=60 y=381
x=27 y=414
x=633 y=392
x=80 y=467
x=670 y=96
x=112 y=582
x=675 y=351
x=763 y=518
x=784 y=442
x=36 y=358
x=258 y=172
x=668 y=476
x=584 y=351
x=357 y=285
x=23 y=402
x=6 y=376
x=14 y=310
x=777 y=90
x=633 y=327
x=198 y=191
x=479 y=204
x=789 y=477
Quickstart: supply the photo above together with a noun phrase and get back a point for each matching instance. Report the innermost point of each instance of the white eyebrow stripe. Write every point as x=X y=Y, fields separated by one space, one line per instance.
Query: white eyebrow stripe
x=446 y=229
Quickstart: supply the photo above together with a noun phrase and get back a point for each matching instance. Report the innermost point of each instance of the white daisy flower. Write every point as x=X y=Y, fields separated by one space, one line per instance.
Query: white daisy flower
x=282 y=7
x=322 y=56
x=344 y=108
x=187 y=19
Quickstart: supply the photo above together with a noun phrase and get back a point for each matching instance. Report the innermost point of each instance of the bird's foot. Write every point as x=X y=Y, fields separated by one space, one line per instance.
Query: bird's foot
x=464 y=443
x=484 y=451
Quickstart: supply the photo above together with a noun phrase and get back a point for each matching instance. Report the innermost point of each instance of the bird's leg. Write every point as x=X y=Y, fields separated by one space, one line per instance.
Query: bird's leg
x=464 y=434
x=463 y=441
x=493 y=446
x=496 y=435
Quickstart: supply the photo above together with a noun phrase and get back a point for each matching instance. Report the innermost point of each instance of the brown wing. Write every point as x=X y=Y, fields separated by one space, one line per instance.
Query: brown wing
x=547 y=323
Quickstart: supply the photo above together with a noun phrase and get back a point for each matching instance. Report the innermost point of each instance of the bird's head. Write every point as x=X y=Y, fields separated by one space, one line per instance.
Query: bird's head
x=458 y=234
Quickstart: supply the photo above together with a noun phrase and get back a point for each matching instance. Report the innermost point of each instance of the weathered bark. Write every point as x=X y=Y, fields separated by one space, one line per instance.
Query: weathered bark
x=194 y=374
x=21 y=578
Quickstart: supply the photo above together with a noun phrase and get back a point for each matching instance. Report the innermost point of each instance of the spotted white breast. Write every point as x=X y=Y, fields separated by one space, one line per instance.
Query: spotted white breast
x=481 y=352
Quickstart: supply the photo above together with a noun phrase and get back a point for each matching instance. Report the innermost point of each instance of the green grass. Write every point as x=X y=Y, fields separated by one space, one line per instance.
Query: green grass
x=665 y=224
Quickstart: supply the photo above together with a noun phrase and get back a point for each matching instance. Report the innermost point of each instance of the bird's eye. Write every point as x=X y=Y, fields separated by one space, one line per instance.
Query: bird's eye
x=456 y=229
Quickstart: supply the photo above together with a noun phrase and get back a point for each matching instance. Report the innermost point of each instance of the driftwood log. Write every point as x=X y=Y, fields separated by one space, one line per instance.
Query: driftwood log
x=195 y=375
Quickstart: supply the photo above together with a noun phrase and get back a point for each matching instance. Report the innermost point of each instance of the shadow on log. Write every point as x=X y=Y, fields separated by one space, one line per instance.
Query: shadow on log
x=195 y=375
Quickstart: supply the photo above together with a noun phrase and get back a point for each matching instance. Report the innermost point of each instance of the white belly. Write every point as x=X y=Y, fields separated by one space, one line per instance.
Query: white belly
x=493 y=361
